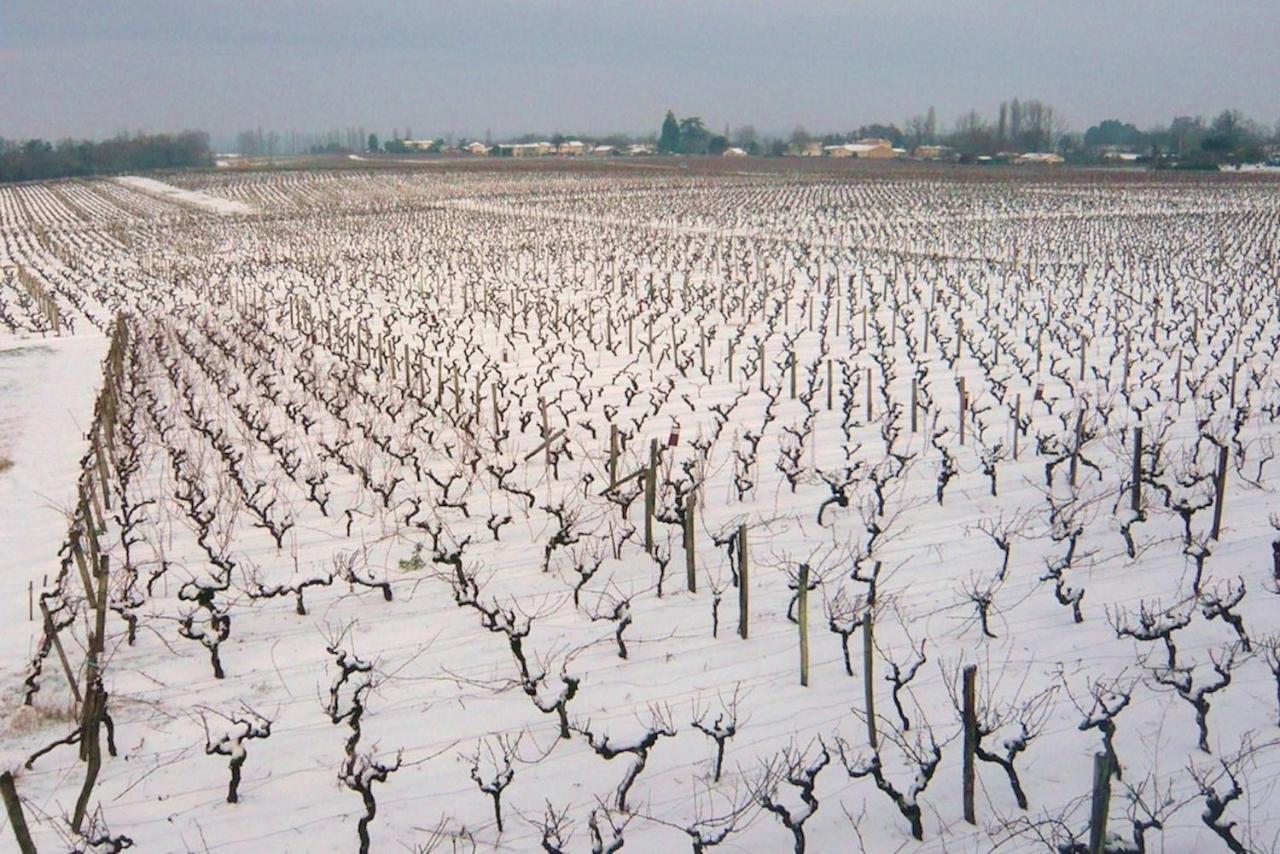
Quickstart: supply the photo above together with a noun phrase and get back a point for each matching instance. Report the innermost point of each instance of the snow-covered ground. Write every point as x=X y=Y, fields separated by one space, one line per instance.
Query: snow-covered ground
x=336 y=511
x=186 y=197
x=46 y=402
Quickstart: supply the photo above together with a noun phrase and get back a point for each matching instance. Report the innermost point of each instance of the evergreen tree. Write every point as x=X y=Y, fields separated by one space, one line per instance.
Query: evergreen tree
x=669 y=142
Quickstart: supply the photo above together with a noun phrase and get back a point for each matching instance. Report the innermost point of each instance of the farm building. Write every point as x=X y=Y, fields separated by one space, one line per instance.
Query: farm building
x=864 y=149
x=419 y=144
x=806 y=149
x=734 y=152
x=478 y=148
x=935 y=152
x=1038 y=158
x=524 y=149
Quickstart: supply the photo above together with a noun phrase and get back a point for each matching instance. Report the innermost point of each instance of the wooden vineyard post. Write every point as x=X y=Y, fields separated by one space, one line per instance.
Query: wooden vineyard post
x=762 y=370
x=744 y=600
x=1017 y=424
x=1075 y=450
x=868 y=376
x=730 y=361
x=1219 y=491
x=868 y=675
x=18 y=821
x=915 y=397
x=613 y=453
x=497 y=413
x=802 y=614
x=690 y=561
x=1101 y=805
x=546 y=432
x=970 y=740
x=793 y=374
x=962 y=407
x=830 y=385
x=52 y=631
x=702 y=350
x=1136 y=495
x=650 y=494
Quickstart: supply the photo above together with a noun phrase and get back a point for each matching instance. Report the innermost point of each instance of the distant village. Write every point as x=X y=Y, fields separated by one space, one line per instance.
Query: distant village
x=871 y=148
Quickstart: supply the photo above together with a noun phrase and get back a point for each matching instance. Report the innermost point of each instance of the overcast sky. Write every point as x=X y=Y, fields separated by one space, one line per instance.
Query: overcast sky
x=89 y=68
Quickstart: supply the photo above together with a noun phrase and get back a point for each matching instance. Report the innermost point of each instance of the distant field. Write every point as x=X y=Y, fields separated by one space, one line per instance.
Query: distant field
x=502 y=505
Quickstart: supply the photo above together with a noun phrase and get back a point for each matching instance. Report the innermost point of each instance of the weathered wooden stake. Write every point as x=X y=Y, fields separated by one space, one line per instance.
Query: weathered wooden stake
x=18 y=821
x=744 y=600
x=831 y=385
x=690 y=554
x=1017 y=424
x=802 y=609
x=915 y=398
x=1220 y=490
x=613 y=453
x=1075 y=450
x=52 y=632
x=1136 y=494
x=650 y=495
x=868 y=383
x=1101 y=805
x=970 y=713
x=868 y=675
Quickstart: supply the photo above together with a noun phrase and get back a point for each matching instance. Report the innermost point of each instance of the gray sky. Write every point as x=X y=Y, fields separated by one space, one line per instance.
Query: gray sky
x=93 y=67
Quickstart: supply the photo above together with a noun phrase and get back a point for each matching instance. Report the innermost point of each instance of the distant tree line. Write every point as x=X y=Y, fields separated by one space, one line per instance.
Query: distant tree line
x=36 y=159
x=1017 y=127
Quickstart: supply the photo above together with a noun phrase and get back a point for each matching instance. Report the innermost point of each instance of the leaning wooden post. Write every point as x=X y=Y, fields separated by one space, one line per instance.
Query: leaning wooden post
x=650 y=494
x=1101 y=806
x=1220 y=490
x=1136 y=494
x=970 y=740
x=690 y=562
x=744 y=601
x=52 y=631
x=802 y=609
x=18 y=821
x=868 y=675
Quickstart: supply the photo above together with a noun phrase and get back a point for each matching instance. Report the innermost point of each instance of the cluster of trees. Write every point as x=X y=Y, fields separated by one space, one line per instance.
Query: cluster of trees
x=270 y=143
x=1231 y=137
x=689 y=136
x=36 y=159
